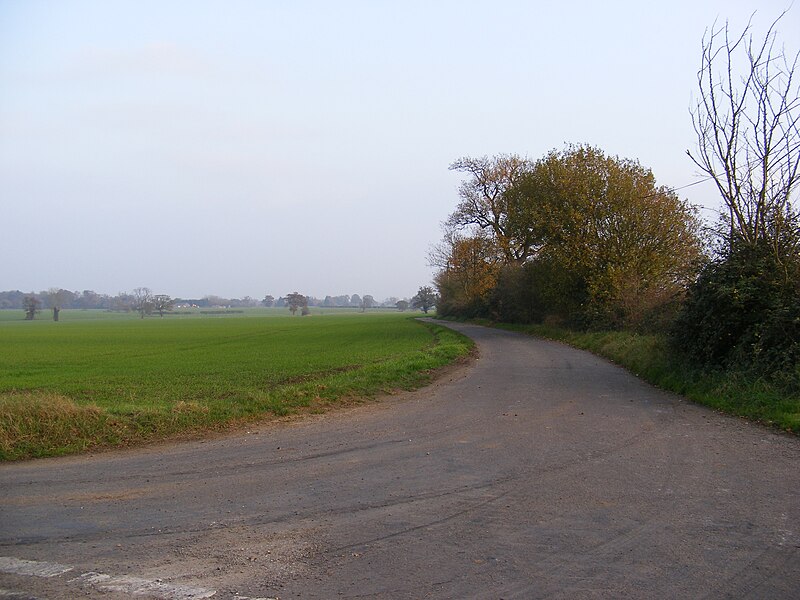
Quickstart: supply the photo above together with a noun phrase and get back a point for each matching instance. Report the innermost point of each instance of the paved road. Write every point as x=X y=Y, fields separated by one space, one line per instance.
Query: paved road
x=539 y=471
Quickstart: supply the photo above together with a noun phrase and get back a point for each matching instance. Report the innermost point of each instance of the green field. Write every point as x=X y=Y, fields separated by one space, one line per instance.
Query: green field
x=99 y=379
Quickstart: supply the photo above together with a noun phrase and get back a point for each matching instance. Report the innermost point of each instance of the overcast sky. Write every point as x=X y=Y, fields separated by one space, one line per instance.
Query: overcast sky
x=244 y=148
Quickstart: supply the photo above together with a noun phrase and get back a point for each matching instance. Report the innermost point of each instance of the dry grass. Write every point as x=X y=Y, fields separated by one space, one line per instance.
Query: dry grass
x=35 y=423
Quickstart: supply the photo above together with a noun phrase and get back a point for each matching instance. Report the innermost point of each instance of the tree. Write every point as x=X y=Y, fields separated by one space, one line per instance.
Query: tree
x=56 y=299
x=469 y=266
x=268 y=301
x=30 y=305
x=402 y=305
x=578 y=235
x=603 y=219
x=295 y=301
x=367 y=302
x=216 y=301
x=485 y=205
x=142 y=301
x=162 y=303
x=748 y=138
x=425 y=299
x=90 y=299
x=743 y=312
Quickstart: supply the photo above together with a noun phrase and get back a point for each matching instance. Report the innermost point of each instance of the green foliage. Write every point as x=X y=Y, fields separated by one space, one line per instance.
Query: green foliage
x=538 y=291
x=112 y=381
x=425 y=299
x=744 y=312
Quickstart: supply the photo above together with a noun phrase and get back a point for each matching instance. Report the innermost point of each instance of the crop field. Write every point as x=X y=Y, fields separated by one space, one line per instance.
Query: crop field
x=98 y=379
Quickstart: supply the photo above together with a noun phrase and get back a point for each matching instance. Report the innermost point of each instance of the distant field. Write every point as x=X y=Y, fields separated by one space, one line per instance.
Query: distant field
x=99 y=379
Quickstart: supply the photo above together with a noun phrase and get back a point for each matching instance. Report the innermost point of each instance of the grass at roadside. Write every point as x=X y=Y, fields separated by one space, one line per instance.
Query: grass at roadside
x=649 y=357
x=85 y=384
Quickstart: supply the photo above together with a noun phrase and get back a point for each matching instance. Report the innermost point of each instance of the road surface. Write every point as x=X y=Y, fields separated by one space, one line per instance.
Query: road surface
x=537 y=471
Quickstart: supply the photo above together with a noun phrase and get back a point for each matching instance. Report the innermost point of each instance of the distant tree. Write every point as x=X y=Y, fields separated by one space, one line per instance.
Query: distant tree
x=30 y=305
x=296 y=300
x=162 y=303
x=217 y=301
x=425 y=299
x=268 y=301
x=57 y=299
x=402 y=305
x=11 y=299
x=245 y=302
x=305 y=311
x=122 y=302
x=355 y=300
x=90 y=299
x=367 y=302
x=142 y=301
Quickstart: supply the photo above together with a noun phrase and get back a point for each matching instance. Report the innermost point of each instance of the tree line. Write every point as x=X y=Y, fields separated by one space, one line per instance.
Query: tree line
x=89 y=299
x=582 y=239
x=425 y=299
x=145 y=302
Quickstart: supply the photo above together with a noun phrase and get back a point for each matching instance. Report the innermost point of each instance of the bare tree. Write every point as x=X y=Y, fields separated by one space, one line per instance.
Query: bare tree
x=746 y=121
x=484 y=203
x=142 y=301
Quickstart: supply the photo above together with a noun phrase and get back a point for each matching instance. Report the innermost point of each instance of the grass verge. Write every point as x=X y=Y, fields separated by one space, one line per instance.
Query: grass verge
x=649 y=357
x=103 y=386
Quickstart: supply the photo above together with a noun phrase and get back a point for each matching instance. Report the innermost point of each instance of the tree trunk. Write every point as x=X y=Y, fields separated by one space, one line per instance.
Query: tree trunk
x=55 y=313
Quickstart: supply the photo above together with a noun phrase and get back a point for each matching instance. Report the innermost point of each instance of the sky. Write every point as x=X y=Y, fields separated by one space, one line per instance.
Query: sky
x=249 y=148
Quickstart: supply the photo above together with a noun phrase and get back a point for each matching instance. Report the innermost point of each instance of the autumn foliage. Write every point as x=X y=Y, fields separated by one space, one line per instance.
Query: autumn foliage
x=577 y=236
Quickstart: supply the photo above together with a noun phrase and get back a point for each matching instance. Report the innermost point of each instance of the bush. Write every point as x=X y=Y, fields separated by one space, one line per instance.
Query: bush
x=743 y=313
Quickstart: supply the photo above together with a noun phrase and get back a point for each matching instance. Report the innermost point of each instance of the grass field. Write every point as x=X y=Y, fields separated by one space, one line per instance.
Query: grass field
x=98 y=379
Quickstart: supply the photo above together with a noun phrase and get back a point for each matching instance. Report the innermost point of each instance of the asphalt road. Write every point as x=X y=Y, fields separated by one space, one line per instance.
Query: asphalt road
x=537 y=471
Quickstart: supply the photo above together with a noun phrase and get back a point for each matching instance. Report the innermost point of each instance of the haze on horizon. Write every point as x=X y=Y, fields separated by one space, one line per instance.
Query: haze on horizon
x=253 y=148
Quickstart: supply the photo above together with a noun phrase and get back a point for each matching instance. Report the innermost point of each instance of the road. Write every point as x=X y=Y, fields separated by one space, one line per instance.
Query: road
x=536 y=471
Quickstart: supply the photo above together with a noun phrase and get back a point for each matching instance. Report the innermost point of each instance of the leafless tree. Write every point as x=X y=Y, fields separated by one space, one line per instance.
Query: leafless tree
x=142 y=301
x=746 y=121
x=484 y=203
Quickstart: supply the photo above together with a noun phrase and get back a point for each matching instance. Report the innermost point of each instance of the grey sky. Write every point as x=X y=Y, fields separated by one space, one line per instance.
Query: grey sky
x=244 y=148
